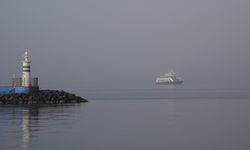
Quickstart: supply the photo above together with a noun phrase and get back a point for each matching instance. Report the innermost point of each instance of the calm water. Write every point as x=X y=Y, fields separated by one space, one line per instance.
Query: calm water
x=160 y=118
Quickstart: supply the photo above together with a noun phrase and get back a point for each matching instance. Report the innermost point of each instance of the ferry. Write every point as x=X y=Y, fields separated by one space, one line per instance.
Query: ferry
x=169 y=78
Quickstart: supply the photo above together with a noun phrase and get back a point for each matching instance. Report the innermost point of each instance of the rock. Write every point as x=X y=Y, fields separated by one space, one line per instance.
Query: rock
x=43 y=97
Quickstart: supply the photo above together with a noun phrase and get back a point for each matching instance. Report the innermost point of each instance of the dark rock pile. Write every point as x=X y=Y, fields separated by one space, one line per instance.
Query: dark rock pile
x=42 y=97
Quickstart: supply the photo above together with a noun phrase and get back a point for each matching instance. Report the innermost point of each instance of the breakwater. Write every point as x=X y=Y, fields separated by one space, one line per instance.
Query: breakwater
x=42 y=97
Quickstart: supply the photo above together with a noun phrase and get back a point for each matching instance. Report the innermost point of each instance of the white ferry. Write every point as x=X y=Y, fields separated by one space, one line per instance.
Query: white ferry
x=169 y=78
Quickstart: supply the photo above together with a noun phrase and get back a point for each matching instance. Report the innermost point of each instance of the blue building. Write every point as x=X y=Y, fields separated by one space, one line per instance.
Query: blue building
x=13 y=90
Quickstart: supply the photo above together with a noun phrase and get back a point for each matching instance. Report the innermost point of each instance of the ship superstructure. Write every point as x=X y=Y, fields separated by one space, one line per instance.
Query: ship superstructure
x=169 y=78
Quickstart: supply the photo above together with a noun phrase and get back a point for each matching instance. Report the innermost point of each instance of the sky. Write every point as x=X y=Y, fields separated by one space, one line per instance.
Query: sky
x=99 y=43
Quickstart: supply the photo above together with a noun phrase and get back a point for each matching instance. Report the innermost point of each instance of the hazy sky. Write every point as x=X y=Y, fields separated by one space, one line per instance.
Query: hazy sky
x=96 y=42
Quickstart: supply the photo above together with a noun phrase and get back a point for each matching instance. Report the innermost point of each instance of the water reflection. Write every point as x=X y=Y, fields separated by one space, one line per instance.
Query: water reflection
x=25 y=132
x=21 y=125
x=30 y=118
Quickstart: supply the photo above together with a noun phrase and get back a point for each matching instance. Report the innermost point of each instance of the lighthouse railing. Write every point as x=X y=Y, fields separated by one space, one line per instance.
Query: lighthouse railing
x=17 y=82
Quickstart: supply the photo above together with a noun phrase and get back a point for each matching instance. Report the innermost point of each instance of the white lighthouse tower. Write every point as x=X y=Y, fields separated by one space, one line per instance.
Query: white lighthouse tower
x=26 y=69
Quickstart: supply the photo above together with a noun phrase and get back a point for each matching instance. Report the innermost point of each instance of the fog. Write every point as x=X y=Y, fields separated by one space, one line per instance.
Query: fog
x=99 y=43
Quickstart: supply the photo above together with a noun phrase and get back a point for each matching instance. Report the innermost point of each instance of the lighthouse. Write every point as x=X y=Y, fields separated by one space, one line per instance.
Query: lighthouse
x=26 y=69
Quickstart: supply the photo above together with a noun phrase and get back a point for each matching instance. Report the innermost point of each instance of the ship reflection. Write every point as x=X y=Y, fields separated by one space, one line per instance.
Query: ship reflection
x=166 y=86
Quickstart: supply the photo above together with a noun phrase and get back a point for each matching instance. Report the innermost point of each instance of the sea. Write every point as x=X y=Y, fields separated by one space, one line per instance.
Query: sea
x=190 y=116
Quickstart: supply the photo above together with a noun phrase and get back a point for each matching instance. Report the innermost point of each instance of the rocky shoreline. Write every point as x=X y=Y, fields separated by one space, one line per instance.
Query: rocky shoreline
x=42 y=97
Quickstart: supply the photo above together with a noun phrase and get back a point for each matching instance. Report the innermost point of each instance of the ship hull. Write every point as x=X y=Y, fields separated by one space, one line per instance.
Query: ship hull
x=169 y=83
